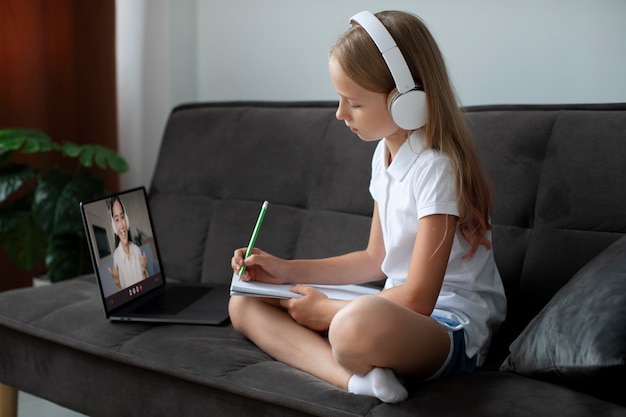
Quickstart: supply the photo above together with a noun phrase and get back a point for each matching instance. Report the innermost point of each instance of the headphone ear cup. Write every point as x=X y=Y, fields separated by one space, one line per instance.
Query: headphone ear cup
x=127 y=221
x=408 y=110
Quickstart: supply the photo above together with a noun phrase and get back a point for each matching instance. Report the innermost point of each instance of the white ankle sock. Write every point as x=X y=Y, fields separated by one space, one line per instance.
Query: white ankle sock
x=380 y=383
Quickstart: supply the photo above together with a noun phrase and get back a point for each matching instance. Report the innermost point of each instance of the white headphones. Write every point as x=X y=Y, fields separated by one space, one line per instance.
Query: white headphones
x=113 y=199
x=407 y=106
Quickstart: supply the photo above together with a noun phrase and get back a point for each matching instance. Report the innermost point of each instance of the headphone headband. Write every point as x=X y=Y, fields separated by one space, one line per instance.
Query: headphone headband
x=388 y=48
x=407 y=105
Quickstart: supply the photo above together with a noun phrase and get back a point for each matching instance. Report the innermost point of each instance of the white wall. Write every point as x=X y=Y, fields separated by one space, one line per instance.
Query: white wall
x=498 y=51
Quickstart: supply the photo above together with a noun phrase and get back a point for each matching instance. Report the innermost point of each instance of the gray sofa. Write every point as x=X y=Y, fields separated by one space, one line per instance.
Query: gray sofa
x=559 y=224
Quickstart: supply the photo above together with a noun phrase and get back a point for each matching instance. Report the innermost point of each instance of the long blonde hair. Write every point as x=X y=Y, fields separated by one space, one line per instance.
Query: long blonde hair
x=445 y=130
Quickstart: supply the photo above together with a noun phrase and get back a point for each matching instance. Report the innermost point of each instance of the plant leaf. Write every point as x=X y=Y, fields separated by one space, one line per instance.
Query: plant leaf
x=13 y=177
x=67 y=257
x=57 y=198
x=45 y=202
x=117 y=163
x=23 y=240
x=86 y=156
x=86 y=186
x=70 y=149
x=14 y=211
x=102 y=156
x=25 y=141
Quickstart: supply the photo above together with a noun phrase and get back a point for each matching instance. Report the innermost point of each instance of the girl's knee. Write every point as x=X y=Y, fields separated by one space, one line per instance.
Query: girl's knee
x=358 y=314
x=238 y=308
x=351 y=327
x=244 y=312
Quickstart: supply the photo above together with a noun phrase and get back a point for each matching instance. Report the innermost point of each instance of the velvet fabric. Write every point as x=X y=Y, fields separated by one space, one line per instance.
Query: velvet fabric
x=557 y=174
x=579 y=338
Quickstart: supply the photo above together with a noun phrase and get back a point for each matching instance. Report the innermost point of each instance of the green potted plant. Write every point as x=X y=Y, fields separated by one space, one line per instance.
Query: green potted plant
x=39 y=203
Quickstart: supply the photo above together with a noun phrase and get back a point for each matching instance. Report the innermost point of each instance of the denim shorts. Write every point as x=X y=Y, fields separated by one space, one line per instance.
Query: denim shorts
x=457 y=361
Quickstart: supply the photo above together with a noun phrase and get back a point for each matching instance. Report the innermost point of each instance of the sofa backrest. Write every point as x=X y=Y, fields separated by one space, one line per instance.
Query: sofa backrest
x=219 y=162
x=558 y=174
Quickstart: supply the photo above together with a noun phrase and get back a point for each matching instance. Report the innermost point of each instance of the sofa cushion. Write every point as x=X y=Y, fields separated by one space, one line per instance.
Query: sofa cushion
x=579 y=337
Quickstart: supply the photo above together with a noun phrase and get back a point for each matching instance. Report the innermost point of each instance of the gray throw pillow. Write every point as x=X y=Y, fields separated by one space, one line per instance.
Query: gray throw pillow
x=579 y=338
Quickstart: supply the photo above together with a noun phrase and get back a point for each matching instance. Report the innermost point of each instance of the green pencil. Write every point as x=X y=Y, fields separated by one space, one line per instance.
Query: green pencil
x=255 y=233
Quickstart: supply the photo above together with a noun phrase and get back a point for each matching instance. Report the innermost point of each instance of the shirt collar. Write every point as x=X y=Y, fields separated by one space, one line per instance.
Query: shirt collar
x=406 y=156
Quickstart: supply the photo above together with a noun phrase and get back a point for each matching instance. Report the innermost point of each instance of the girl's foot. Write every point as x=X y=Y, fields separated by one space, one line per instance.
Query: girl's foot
x=380 y=383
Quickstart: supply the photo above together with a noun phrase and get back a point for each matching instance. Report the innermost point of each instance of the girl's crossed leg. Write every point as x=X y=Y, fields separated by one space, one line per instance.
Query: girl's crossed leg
x=370 y=340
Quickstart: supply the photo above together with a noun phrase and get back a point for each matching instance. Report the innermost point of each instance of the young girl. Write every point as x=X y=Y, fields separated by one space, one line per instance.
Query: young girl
x=430 y=237
x=129 y=263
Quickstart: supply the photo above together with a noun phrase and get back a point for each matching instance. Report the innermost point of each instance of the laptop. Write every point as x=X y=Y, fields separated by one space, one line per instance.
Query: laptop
x=128 y=268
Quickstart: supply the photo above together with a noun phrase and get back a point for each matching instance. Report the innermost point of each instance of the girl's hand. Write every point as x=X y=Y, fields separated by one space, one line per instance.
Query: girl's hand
x=115 y=274
x=314 y=310
x=144 y=264
x=260 y=266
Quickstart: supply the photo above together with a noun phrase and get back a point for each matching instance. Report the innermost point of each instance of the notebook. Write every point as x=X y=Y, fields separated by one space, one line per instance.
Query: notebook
x=262 y=289
x=128 y=268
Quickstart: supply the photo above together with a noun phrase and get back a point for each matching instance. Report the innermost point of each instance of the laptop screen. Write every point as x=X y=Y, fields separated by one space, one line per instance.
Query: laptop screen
x=123 y=246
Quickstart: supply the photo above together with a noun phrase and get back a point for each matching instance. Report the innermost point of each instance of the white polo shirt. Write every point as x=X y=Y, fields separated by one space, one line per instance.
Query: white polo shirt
x=129 y=267
x=420 y=182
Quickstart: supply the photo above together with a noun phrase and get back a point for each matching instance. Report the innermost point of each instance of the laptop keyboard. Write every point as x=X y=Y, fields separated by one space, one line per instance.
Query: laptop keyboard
x=172 y=301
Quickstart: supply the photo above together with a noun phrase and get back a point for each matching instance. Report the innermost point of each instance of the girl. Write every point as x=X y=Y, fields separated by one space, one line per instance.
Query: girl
x=429 y=237
x=129 y=263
